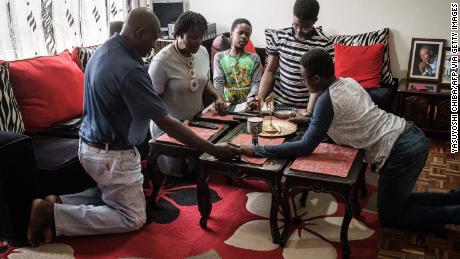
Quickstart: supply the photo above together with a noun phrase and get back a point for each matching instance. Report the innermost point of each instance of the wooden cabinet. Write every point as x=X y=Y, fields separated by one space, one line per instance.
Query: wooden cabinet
x=425 y=104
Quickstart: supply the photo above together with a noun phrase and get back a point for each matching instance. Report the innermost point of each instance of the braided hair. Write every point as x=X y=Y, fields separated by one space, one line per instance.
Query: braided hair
x=189 y=20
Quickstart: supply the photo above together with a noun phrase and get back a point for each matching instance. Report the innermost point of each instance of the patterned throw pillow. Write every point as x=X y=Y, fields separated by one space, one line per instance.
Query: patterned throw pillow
x=367 y=39
x=81 y=55
x=10 y=116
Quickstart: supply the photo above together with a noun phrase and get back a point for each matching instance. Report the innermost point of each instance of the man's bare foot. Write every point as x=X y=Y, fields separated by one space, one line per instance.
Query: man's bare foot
x=41 y=218
x=49 y=232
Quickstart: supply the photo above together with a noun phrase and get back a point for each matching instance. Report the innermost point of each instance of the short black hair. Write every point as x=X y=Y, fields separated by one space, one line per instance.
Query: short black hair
x=306 y=9
x=189 y=20
x=240 y=21
x=318 y=62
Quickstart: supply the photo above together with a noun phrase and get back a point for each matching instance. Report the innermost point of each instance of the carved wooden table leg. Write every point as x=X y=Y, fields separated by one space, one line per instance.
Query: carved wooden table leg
x=276 y=193
x=303 y=198
x=356 y=206
x=349 y=204
x=362 y=180
x=287 y=216
x=203 y=197
x=229 y=180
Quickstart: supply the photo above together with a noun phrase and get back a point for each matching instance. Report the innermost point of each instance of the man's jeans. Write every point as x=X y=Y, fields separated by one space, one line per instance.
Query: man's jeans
x=398 y=207
x=117 y=205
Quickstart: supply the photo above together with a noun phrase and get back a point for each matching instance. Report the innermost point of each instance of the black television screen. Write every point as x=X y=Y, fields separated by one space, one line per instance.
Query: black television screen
x=167 y=12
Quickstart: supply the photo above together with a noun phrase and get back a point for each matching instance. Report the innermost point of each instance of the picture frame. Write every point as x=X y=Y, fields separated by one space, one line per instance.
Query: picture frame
x=426 y=59
x=445 y=79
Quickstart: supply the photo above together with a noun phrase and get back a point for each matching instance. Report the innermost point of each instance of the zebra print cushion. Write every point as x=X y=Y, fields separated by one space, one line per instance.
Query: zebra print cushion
x=81 y=55
x=10 y=116
x=371 y=38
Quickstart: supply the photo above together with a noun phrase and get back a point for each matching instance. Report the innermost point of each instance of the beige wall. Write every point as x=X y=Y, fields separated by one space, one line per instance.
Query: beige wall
x=405 y=18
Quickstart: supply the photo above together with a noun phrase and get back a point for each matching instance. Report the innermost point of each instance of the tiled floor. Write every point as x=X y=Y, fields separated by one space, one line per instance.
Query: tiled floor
x=441 y=173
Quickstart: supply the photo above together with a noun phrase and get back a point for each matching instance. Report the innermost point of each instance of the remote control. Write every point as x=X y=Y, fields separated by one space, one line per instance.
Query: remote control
x=200 y=124
x=241 y=117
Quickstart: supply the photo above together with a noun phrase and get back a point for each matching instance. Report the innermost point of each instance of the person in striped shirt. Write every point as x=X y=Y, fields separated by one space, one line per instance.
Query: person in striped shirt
x=285 y=47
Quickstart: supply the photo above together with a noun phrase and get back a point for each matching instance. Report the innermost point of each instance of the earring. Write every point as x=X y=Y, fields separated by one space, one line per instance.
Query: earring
x=181 y=43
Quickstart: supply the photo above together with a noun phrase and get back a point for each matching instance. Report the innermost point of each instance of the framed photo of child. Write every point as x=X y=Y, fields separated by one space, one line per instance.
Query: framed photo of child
x=425 y=61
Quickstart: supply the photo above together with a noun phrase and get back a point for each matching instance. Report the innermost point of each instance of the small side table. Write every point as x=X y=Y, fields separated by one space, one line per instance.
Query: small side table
x=345 y=187
x=270 y=172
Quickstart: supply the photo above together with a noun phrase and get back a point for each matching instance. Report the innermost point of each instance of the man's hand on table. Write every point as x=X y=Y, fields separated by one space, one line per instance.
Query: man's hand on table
x=248 y=150
x=224 y=151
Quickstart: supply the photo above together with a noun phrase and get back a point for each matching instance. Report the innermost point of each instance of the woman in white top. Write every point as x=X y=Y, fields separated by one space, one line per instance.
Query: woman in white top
x=180 y=74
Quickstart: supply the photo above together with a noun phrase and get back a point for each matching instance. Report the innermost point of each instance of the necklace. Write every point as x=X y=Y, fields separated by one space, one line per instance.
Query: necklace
x=188 y=61
x=191 y=72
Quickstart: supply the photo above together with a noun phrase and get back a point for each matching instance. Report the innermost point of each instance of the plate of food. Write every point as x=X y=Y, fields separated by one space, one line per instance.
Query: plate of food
x=277 y=128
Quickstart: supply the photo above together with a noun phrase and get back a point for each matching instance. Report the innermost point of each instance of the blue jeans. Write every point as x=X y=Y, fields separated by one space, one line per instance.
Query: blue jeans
x=398 y=207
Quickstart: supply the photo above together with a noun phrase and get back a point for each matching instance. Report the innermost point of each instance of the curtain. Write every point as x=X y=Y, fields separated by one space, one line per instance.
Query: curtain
x=31 y=28
x=131 y=4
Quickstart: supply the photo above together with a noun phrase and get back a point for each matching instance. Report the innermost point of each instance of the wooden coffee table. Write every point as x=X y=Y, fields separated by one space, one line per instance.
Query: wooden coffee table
x=158 y=148
x=346 y=187
x=269 y=172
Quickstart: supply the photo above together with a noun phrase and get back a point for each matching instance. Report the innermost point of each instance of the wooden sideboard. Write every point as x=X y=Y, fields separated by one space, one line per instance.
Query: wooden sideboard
x=428 y=108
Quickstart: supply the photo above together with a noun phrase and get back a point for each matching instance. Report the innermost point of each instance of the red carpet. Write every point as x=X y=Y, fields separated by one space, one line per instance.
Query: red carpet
x=238 y=228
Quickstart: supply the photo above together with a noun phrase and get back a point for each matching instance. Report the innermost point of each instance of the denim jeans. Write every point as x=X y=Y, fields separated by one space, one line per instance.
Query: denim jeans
x=117 y=205
x=398 y=207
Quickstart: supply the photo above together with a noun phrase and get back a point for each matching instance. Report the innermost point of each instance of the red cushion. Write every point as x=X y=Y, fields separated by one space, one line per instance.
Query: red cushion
x=362 y=63
x=48 y=89
x=250 y=47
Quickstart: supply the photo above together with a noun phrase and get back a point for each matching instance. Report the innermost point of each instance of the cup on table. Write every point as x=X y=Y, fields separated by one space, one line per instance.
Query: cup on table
x=254 y=127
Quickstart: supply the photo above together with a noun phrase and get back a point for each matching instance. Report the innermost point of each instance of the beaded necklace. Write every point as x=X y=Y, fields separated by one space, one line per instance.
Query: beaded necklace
x=191 y=66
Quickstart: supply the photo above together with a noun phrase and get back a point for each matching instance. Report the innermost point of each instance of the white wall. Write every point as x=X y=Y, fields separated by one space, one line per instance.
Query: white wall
x=406 y=19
